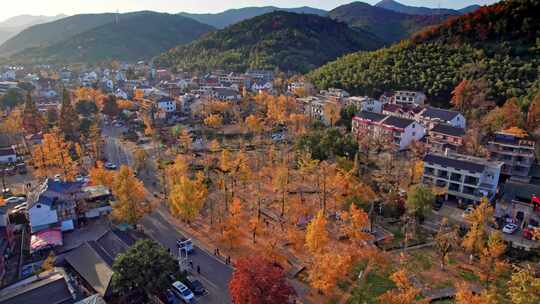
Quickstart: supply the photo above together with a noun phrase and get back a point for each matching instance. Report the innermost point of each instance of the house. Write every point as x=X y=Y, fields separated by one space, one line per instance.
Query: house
x=119 y=93
x=443 y=136
x=520 y=202
x=409 y=97
x=166 y=104
x=466 y=178
x=407 y=111
x=261 y=75
x=8 y=155
x=225 y=94
x=7 y=240
x=431 y=116
x=259 y=86
x=400 y=132
x=52 y=287
x=96 y=201
x=53 y=204
x=313 y=107
x=93 y=260
x=365 y=104
x=516 y=149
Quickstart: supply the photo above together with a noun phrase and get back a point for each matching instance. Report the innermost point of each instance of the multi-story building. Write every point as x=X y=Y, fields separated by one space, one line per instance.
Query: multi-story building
x=399 y=131
x=521 y=203
x=365 y=104
x=443 y=136
x=402 y=110
x=466 y=178
x=516 y=149
x=409 y=97
x=431 y=116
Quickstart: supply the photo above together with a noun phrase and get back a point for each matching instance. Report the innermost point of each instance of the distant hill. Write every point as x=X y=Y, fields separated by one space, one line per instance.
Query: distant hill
x=414 y=10
x=469 y=9
x=497 y=43
x=228 y=17
x=288 y=41
x=14 y=25
x=388 y=25
x=134 y=36
x=54 y=32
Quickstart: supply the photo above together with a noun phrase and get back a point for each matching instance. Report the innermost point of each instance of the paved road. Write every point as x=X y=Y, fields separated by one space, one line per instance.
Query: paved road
x=215 y=274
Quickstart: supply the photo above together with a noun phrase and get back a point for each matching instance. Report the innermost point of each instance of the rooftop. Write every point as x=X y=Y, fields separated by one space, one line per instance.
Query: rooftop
x=448 y=130
x=398 y=122
x=459 y=161
x=50 y=290
x=437 y=113
x=371 y=116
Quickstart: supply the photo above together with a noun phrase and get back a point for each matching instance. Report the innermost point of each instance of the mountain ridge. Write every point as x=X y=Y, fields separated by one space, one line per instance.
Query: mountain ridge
x=231 y=16
x=288 y=41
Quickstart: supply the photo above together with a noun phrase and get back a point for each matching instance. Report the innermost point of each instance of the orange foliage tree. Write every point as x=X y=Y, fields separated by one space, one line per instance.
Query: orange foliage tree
x=53 y=157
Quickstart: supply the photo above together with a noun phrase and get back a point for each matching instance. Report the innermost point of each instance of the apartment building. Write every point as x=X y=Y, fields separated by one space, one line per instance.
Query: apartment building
x=401 y=132
x=467 y=178
x=443 y=136
x=516 y=149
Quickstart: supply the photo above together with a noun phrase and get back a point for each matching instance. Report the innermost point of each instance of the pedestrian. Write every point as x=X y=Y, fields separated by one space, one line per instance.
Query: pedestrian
x=198 y=269
x=191 y=264
x=217 y=250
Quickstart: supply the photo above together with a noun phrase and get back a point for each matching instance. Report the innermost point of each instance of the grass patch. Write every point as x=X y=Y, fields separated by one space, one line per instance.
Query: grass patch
x=374 y=285
x=468 y=276
x=448 y=301
x=343 y=285
x=443 y=284
x=422 y=260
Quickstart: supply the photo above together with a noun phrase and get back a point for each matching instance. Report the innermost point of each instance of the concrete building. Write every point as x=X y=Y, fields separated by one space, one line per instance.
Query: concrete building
x=467 y=178
x=365 y=104
x=409 y=97
x=516 y=149
x=443 y=136
x=431 y=116
x=400 y=132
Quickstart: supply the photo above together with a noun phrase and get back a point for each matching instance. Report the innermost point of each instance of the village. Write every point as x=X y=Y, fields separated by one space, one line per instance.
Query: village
x=352 y=196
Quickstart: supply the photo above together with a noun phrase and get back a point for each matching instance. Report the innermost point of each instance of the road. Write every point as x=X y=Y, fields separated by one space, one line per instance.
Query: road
x=159 y=225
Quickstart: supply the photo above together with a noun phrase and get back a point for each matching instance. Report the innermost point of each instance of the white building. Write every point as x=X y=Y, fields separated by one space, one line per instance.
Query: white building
x=365 y=104
x=466 y=178
x=409 y=97
x=431 y=116
x=400 y=132
x=166 y=104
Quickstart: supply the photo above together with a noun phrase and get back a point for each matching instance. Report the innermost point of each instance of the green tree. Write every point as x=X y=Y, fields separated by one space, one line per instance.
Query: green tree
x=32 y=119
x=69 y=119
x=419 y=201
x=110 y=107
x=144 y=266
x=11 y=99
x=86 y=107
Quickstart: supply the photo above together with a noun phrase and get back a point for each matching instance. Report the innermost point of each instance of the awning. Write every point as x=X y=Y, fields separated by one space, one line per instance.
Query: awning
x=67 y=225
x=45 y=239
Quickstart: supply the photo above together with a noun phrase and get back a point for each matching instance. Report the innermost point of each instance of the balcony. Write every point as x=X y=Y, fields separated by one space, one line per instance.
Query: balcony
x=442 y=174
x=429 y=171
x=471 y=180
x=456 y=177
x=454 y=187
x=441 y=183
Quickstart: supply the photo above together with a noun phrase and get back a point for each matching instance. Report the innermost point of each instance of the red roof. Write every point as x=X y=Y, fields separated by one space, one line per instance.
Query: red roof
x=46 y=238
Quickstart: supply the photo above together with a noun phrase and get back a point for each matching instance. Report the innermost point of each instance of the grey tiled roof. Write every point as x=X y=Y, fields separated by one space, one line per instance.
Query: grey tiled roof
x=454 y=163
x=448 y=130
x=398 y=122
x=445 y=115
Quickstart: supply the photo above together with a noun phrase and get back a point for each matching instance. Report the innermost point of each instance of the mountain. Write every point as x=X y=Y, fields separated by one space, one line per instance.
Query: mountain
x=386 y=24
x=228 y=17
x=28 y=20
x=134 y=36
x=15 y=25
x=54 y=32
x=469 y=9
x=288 y=41
x=497 y=44
x=414 y=10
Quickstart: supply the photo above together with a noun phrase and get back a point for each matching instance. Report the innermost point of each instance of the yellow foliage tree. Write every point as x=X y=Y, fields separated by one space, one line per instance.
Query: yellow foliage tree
x=187 y=197
x=327 y=269
x=231 y=232
x=213 y=121
x=317 y=235
x=53 y=157
x=129 y=192
x=100 y=176
x=464 y=295
x=253 y=124
x=490 y=264
x=357 y=224
x=475 y=238
x=524 y=286
x=332 y=112
x=185 y=140
x=405 y=293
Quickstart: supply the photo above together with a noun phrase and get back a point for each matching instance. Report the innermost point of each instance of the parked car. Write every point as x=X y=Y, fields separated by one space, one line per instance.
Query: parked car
x=195 y=285
x=110 y=166
x=9 y=171
x=21 y=168
x=15 y=200
x=171 y=297
x=185 y=244
x=510 y=228
x=437 y=204
x=183 y=292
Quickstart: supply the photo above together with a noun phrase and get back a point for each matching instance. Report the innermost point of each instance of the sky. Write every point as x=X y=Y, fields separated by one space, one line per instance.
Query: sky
x=12 y=8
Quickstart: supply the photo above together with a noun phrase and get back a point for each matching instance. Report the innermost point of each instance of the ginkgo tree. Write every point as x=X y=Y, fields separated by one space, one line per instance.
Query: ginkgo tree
x=54 y=156
x=130 y=205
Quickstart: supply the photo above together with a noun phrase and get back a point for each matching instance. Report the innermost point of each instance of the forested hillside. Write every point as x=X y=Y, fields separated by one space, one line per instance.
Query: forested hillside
x=140 y=36
x=388 y=25
x=288 y=41
x=497 y=44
